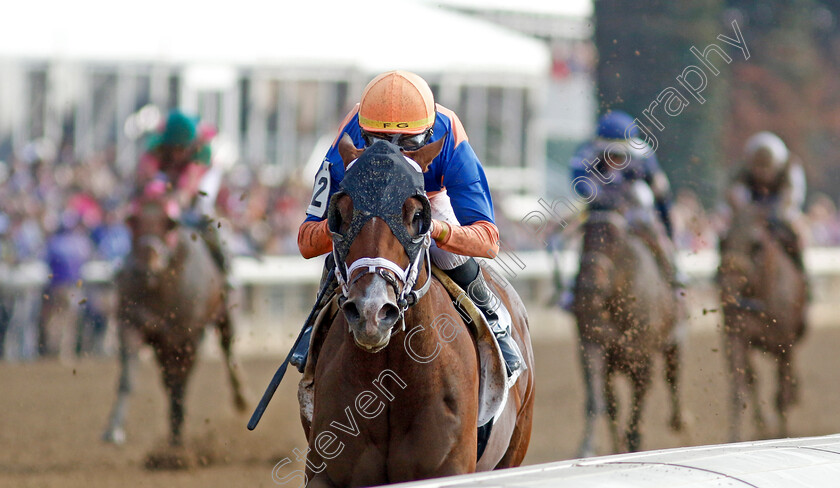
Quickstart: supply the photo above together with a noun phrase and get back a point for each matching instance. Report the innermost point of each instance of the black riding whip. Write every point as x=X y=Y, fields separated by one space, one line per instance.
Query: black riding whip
x=281 y=371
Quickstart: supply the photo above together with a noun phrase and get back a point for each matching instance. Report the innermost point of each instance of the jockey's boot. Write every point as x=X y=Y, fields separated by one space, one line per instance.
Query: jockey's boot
x=468 y=276
x=301 y=352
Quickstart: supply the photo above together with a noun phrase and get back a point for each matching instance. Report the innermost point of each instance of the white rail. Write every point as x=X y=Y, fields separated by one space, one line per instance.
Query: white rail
x=804 y=462
x=294 y=270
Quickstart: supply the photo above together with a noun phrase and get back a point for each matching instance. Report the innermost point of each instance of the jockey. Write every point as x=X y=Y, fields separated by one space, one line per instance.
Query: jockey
x=631 y=181
x=610 y=136
x=772 y=178
x=398 y=106
x=178 y=156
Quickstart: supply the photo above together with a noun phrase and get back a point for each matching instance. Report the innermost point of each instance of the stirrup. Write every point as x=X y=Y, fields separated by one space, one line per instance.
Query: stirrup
x=500 y=323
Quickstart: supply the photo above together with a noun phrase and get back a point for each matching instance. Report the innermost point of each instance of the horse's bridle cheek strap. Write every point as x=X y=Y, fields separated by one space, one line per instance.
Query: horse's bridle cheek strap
x=391 y=272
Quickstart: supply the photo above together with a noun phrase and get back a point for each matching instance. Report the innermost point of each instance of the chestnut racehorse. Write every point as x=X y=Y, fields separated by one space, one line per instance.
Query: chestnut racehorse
x=764 y=297
x=626 y=313
x=169 y=291
x=396 y=397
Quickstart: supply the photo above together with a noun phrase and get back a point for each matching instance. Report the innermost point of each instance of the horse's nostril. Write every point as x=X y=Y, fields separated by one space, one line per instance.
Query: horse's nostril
x=351 y=312
x=389 y=313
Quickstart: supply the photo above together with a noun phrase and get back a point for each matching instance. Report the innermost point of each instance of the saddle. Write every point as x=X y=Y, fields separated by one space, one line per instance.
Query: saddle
x=493 y=380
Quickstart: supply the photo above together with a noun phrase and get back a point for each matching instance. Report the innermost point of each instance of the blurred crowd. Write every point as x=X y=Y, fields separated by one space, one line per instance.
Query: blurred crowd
x=696 y=228
x=58 y=214
x=62 y=222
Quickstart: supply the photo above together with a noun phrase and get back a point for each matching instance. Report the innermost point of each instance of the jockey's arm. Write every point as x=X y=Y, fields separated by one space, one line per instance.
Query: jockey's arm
x=738 y=194
x=797 y=187
x=479 y=239
x=314 y=238
x=466 y=185
x=787 y=206
x=189 y=181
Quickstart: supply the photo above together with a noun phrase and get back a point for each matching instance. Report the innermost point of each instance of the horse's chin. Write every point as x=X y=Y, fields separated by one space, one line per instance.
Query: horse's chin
x=372 y=348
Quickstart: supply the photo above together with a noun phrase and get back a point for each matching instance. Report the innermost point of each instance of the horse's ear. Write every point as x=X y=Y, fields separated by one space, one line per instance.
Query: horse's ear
x=348 y=150
x=426 y=154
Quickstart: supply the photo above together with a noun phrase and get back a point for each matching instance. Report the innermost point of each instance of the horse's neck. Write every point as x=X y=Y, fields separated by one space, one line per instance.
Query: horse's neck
x=775 y=261
x=604 y=237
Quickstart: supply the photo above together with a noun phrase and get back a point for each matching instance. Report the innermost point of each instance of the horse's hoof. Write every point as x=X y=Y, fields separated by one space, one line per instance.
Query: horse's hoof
x=586 y=452
x=240 y=403
x=676 y=424
x=114 y=436
x=171 y=458
x=634 y=441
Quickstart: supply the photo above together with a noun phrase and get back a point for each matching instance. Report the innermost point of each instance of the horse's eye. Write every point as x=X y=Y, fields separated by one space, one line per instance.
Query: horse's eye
x=756 y=247
x=418 y=215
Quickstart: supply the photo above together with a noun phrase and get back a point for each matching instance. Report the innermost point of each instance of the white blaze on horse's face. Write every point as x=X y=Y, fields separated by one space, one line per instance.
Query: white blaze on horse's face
x=150 y=228
x=371 y=312
x=156 y=254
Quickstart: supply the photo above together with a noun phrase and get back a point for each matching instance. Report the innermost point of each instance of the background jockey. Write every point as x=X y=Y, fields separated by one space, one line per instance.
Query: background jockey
x=610 y=134
x=398 y=106
x=640 y=189
x=772 y=178
x=179 y=159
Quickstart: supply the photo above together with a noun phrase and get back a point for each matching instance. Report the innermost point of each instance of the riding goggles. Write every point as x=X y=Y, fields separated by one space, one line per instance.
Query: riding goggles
x=406 y=142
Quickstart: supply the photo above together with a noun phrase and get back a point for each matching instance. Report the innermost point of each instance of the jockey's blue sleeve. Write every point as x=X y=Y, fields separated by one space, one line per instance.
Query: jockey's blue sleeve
x=456 y=168
x=466 y=184
x=584 y=152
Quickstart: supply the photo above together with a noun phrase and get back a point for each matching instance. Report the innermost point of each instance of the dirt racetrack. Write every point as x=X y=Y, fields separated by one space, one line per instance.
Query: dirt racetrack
x=52 y=415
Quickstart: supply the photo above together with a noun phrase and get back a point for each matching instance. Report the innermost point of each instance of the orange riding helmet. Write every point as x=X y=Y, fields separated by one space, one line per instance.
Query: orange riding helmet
x=397 y=102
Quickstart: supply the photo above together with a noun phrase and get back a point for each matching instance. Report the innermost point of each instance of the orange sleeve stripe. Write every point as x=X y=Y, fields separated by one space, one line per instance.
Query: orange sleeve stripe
x=314 y=239
x=479 y=239
x=347 y=119
x=458 y=131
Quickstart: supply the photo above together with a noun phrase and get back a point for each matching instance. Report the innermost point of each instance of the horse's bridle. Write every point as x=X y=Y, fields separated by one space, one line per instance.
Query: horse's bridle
x=401 y=280
x=383 y=161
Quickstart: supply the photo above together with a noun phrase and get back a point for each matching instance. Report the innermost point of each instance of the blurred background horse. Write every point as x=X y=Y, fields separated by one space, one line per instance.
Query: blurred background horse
x=169 y=290
x=626 y=313
x=764 y=296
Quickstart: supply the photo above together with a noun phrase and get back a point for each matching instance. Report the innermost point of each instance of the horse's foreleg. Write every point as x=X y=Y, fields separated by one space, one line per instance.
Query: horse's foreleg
x=129 y=341
x=752 y=385
x=641 y=381
x=176 y=367
x=787 y=393
x=225 y=328
x=672 y=377
x=592 y=363
x=612 y=409
x=736 y=355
